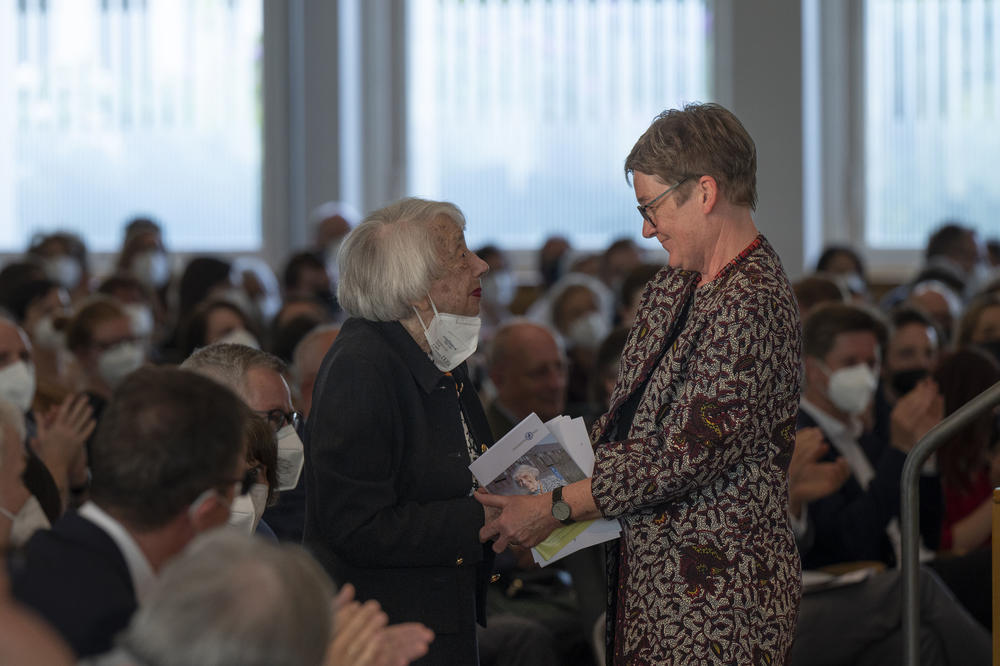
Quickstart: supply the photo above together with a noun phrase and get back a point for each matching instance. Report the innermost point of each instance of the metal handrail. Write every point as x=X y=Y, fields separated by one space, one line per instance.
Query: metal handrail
x=910 y=510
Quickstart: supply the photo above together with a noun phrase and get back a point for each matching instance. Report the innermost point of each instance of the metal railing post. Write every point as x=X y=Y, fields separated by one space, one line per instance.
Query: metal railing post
x=910 y=511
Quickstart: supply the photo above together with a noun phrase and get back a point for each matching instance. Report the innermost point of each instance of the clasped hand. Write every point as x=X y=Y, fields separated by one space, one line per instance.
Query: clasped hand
x=518 y=520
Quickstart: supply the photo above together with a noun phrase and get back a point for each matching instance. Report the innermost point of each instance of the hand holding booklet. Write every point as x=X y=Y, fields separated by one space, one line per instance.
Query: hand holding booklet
x=534 y=458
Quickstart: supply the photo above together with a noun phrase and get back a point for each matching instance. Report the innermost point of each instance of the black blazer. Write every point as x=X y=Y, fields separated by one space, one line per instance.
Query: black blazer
x=388 y=505
x=849 y=525
x=76 y=578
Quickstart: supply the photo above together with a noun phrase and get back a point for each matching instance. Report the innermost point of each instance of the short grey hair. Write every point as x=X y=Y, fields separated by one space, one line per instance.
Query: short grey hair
x=389 y=261
x=235 y=600
x=228 y=364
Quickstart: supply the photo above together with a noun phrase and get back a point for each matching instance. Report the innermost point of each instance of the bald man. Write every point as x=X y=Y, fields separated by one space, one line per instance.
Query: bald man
x=529 y=371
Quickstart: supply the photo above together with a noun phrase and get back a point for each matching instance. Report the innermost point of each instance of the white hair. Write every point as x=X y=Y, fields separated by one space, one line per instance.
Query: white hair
x=530 y=470
x=389 y=261
x=235 y=600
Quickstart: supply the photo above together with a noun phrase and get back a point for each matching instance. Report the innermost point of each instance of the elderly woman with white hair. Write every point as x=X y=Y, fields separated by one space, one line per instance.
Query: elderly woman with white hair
x=395 y=423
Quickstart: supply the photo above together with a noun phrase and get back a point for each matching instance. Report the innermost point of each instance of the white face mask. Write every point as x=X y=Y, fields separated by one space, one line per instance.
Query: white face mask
x=851 y=389
x=258 y=493
x=291 y=458
x=46 y=336
x=240 y=336
x=242 y=514
x=151 y=268
x=142 y=319
x=119 y=361
x=452 y=338
x=29 y=520
x=64 y=270
x=499 y=287
x=588 y=331
x=17 y=384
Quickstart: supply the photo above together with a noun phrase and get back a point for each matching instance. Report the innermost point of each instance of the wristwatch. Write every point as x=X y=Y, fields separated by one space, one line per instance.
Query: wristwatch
x=561 y=511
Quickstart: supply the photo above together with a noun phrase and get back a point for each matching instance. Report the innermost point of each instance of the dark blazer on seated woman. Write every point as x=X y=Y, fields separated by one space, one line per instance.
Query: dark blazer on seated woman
x=389 y=506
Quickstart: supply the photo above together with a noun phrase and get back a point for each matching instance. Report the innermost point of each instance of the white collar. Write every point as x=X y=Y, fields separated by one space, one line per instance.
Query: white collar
x=832 y=426
x=139 y=568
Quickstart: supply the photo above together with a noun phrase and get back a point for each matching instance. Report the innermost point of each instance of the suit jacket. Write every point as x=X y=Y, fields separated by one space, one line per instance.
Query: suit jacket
x=849 y=525
x=388 y=503
x=75 y=576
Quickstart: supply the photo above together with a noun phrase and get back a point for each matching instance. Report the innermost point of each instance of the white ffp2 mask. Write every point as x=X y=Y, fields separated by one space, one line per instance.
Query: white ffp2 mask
x=452 y=338
x=291 y=458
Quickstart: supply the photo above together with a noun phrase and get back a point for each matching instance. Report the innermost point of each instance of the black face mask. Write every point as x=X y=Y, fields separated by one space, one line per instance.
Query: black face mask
x=905 y=381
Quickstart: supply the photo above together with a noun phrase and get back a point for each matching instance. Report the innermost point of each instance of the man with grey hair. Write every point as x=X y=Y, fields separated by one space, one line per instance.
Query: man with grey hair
x=258 y=378
x=168 y=462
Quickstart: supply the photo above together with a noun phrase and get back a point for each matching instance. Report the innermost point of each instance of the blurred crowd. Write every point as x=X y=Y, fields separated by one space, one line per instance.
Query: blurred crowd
x=882 y=366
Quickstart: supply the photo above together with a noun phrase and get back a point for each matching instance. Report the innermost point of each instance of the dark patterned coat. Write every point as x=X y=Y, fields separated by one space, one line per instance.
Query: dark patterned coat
x=706 y=570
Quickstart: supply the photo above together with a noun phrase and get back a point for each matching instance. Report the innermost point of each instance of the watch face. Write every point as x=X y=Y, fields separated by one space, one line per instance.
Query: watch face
x=561 y=510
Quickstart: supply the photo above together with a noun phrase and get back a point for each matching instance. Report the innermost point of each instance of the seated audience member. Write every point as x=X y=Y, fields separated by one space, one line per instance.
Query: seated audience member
x=815 y=290
x=41 y=307
x=104 y=347
x=965 y=460
x=621 y=257
x=52 y=439
x=940 y=302
x=63 y=256
x=980 y=325
x=305 y=277
x=528 y=369
x=306 y=359
x=144 y=256
x=911 y=354
x=262 y=468
x=862 y=623
x=218 y=320
x=232 y=601
x=632 y=289
x=255 y=289
x=139 y=303
x=842 y=349
x=258 y=379
x=844 y=264
x=202 y=278
x=951 y=258
x=168 y=462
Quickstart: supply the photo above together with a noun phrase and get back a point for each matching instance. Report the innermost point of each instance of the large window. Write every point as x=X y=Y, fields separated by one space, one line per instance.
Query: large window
x=932 y=118
x=123 y=107
x=522 y=113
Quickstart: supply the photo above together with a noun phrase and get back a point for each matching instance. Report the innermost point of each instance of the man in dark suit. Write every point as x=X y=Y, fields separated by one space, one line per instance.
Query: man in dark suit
x=168 y=461
x=842 y=351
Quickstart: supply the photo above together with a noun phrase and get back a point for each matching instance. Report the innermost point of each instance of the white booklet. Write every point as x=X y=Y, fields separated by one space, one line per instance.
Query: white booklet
x=534 y=458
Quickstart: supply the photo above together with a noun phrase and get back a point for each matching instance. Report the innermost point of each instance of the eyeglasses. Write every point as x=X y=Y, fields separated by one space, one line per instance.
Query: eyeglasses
x=644 y=208
x=278 y=419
